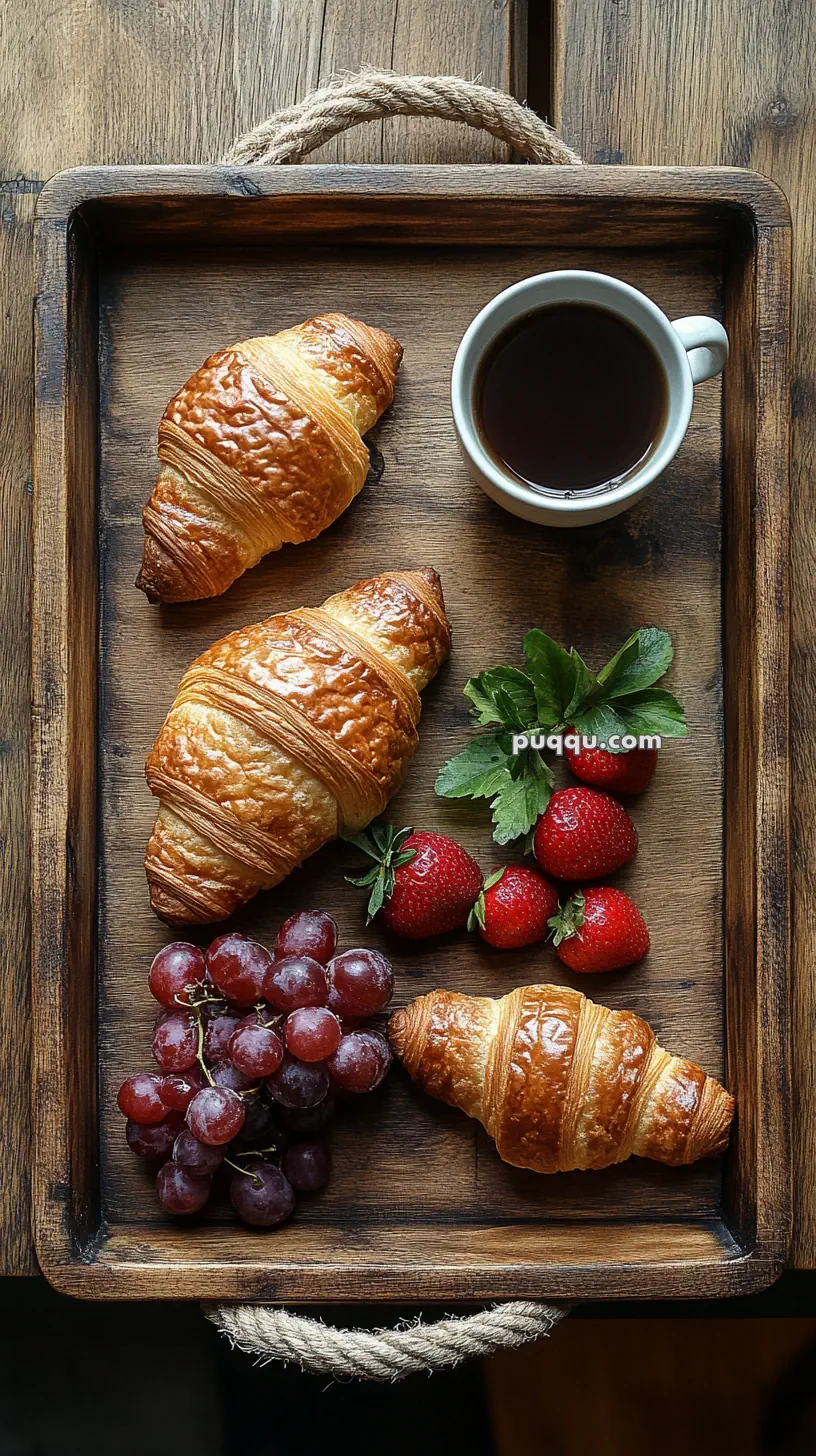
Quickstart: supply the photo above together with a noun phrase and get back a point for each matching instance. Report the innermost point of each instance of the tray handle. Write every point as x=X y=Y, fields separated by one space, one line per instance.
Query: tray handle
x=291 y=134
x=410 y=1348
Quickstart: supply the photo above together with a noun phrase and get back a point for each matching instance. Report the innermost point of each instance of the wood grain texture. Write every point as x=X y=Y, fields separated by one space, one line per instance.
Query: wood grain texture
x=728 y=82
x=89 y=81
x=414 y=1183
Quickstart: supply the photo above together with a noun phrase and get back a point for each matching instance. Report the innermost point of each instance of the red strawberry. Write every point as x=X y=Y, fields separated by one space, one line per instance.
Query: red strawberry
x=583 y=835
x=621 y=773
x=600 y=929
x=425 y=883
x=514 y=908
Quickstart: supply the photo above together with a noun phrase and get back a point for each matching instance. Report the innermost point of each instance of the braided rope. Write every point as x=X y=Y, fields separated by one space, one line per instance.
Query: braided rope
x=275 y=1334
x=291 y=134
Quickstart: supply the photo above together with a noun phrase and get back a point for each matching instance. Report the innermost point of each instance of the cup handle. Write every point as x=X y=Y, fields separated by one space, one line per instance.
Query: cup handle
x=706 y=343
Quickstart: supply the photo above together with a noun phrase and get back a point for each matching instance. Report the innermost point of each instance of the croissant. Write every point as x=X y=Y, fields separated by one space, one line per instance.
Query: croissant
x=283 y=735
x=559 y=1082
x=262 y=446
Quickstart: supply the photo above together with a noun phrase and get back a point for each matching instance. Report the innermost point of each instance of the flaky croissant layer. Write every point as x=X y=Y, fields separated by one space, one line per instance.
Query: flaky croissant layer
x=262 y=446
x=283 y=735
x=559 y=1082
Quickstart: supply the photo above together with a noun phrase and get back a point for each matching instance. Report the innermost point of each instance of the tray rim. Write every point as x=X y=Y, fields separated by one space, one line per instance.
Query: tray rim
x=70 y=189
x=84 y=1271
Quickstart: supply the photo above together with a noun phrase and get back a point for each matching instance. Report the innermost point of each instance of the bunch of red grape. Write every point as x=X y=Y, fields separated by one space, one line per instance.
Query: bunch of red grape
x=252 y=1050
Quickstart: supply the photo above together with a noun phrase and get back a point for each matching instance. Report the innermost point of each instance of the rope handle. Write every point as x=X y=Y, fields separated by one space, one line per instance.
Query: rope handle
x=410 y=1349
x=291 y=134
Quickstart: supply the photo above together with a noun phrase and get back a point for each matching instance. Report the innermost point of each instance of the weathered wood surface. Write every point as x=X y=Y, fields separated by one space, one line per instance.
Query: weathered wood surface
x=88 y=81
x=731 y=82
x=91 y=82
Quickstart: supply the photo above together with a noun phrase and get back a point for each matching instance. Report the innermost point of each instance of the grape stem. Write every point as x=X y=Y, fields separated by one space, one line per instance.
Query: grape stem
x=205 y=999
x=200 y=1046
x=247 y=1172
x=259 y=1009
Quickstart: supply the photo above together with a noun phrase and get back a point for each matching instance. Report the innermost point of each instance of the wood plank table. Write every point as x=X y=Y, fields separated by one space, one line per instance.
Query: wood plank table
x=90 y=81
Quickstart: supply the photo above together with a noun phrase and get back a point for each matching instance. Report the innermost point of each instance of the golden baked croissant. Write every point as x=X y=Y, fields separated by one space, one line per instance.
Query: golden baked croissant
x=559 y=1082
x=262 y=446
x=284 y=734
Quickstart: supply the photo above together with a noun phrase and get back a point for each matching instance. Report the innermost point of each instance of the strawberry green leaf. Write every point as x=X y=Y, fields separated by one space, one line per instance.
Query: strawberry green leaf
x=522 y=796
x=584 y=689
x=384 y=844
x=600 y=722
x=362 y=881
x=477 y=914
x=363 y=842
x=552 y=672
x=382 y=834
x=484 y=707
x=568 y=920
x=644 y=658
x=620 y=664
x=502 y=695
x=379 y=894
x=476 y=772
x=654 y=711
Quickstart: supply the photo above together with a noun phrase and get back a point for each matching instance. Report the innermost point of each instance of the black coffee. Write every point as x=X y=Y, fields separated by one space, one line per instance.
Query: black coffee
x=571 y=398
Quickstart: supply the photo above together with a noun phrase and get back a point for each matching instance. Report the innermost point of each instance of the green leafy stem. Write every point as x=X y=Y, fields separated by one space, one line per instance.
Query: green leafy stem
x=555 y=692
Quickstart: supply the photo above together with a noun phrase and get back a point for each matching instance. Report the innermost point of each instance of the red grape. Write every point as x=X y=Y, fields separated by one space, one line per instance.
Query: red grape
x=215 y=1115
x=296 y=981
x=140 y=1098
x=360 y=1062
x=296 y=1084
x=307 y=1165
x=309 y=933
x=179 y=1089
x=196 y=1157
x=153 y=1141
x=175 y=1041
x=217 y=1034
x=262 y=1195
x=255 y=1050
x=360 y=983
x=238 y=965
x=309 y=1120
x=312 y=1033
x=174 y=969
x=304 y=1033
x=180 y=1191
x=224 y=1074
x=259 y=1123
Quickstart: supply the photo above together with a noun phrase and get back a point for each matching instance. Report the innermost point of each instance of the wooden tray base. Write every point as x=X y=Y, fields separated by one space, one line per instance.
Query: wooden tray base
x=144 y=273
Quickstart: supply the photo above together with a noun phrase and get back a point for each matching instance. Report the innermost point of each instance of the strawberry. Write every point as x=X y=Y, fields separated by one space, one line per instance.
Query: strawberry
x=621 y=773
x=424 y=883
x=600 y=929
x=514 y=908
x=583 y=835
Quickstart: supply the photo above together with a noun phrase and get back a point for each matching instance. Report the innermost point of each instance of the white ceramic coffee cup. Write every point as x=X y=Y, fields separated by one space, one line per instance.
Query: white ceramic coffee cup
x=689 y=349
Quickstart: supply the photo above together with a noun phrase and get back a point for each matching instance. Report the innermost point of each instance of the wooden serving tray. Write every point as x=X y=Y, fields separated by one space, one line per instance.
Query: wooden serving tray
x=142 y=273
